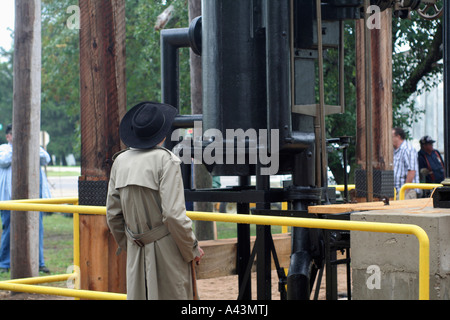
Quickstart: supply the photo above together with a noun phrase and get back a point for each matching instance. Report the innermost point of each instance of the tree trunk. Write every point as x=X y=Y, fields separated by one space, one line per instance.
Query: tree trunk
x=26 y=126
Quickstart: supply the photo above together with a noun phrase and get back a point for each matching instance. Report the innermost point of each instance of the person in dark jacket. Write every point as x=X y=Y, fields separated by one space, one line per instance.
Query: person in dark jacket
x=431 y=164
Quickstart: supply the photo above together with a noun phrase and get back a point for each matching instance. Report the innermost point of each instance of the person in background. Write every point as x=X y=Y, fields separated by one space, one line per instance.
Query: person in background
x=406 y=168
x=431 y=164
x=6 y=153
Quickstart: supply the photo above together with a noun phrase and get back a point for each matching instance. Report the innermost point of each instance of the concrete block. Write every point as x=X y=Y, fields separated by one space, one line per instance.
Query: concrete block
x=385 y=265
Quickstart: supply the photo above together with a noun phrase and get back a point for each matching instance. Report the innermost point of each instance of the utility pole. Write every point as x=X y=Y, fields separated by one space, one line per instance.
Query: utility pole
x=103 y=104
x=26 y=127
x=380 y=128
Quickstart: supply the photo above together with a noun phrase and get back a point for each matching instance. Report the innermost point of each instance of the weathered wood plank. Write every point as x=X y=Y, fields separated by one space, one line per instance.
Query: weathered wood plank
x=101 y=269
x=364 y=206
x=26 y=126
x=220 y=256
x=103 y=104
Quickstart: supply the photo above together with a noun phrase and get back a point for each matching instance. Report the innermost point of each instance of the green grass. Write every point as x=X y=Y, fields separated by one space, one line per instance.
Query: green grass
x=58 y=244
x=227 y=230
x=62 y=171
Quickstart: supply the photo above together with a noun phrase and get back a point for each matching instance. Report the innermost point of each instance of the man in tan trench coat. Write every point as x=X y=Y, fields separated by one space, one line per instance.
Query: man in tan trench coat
x=146 y=209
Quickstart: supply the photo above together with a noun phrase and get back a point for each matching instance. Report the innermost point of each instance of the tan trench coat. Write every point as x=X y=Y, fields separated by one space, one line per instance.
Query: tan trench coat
x=145 y=192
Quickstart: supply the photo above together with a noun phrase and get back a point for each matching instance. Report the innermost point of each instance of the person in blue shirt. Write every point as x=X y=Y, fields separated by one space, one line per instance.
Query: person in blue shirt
x=431 y=164
x=6 y=152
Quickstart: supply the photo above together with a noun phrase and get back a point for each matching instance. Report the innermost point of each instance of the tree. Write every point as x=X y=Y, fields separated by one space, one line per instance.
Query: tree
x=144 y=52
x=60 y=80
x=414 y=71
x=60 y=68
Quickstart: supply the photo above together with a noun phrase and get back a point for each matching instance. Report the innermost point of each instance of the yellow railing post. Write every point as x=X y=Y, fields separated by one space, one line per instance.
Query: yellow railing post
x=424 y=248
x=423 y=186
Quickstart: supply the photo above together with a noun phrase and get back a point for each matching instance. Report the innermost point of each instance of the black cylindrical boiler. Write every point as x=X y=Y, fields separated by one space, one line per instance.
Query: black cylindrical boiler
x=247 y=81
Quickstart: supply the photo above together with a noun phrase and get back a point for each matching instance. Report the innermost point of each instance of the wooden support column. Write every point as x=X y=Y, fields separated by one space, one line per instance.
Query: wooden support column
x=26 y=127
x=103 y=104
x=381 y=75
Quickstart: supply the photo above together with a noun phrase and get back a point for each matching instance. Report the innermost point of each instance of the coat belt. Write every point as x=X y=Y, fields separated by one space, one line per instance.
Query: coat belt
x=150 y=236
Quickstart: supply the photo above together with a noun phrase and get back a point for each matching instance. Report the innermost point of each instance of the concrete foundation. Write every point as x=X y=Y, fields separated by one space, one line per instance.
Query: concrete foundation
x=385 y=265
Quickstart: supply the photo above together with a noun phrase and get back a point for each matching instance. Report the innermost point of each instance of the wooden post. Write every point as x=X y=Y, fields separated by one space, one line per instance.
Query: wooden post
x=381 y=58
x=26 y=126
x=103 y=104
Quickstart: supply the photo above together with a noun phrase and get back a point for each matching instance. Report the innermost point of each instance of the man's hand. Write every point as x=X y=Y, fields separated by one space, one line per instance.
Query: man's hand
x=202 y=253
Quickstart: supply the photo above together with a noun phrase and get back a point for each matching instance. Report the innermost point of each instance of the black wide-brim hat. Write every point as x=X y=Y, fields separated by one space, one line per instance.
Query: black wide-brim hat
x=146 y=124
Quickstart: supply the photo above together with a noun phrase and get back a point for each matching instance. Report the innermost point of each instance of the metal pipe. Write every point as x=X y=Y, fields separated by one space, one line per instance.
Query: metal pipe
x=171 y=41
x=322 y=151
x=279 y=37
x=40 y=280
x=243 y=247
x=76 y=247
x=73 y=200
x=82 y=294
x=424 y=244
x=424 y=186
x=342 y=66
x=263 y=263
x=187 y=121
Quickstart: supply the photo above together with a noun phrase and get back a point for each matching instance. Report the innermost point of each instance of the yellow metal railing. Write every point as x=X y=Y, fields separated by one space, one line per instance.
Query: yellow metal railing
x=341 y=187
x=424 y=244
x=423 y=186
x=31 y=205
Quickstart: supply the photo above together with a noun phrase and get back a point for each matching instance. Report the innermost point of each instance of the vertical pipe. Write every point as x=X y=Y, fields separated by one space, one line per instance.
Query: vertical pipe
x=321 y=107
x=171 y=41
x=279 y=44
x=264 y=262
x=243 y=245
x=76 y=248
x=342 y=66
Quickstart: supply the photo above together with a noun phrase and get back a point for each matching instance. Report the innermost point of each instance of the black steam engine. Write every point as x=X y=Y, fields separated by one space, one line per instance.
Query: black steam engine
x=263 y=114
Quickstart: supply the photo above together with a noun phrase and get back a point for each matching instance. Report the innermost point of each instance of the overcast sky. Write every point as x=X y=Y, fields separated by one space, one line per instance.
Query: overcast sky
x=6 y=23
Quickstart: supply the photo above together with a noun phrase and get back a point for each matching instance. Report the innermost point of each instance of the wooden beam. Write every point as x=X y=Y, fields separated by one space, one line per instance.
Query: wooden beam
x=220 y=256
x=365 y=206
x=26 y=127
x=381 y=93
x=103 y=104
